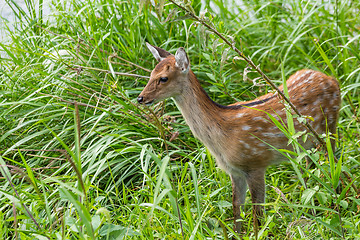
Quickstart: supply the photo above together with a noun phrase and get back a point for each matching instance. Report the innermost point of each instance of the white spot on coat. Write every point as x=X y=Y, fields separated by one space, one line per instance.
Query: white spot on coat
x=240 y=115
x=259 y=119
x=246 y=128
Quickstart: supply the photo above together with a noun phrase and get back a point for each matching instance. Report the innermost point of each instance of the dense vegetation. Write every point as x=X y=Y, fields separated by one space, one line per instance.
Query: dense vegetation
x=81 y=160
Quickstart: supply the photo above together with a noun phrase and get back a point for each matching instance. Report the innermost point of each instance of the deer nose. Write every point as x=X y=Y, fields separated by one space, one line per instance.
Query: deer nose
x=140 y=99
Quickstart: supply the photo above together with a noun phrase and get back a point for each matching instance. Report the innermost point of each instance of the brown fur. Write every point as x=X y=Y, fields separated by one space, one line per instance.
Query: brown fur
x=239 y=135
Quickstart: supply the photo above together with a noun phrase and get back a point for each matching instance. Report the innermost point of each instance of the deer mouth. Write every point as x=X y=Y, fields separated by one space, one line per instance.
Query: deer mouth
x=149 y=103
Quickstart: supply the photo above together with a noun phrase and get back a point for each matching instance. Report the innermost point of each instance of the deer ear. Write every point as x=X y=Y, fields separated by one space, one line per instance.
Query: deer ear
x=159 y=53
x=182 y=60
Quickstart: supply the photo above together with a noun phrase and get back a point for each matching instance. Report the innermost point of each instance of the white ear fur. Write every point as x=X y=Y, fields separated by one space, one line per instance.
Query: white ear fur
x=155 y=52
x=182 y=60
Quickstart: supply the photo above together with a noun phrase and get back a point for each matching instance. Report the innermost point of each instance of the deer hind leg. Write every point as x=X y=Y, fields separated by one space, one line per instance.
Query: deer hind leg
x=256 y=182
x=239 y=191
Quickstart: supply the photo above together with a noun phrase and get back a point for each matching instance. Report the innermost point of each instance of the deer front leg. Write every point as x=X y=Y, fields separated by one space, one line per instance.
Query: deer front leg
x=239 y=191
x=256 y=182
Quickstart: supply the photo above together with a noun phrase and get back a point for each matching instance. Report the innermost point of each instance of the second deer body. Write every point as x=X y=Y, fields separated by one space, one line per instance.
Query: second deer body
x=241 y=136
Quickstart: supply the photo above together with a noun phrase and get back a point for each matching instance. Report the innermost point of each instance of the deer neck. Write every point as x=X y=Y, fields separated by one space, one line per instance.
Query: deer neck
x=203 y=116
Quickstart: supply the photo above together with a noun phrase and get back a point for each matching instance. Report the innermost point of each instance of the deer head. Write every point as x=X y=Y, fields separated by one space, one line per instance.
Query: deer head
x=169 y=78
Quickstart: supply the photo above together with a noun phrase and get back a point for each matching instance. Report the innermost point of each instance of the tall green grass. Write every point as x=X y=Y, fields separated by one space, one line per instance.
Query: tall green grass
x=81 y=160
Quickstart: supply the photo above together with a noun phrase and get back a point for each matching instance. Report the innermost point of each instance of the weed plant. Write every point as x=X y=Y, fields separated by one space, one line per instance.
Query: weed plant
x=81 y=160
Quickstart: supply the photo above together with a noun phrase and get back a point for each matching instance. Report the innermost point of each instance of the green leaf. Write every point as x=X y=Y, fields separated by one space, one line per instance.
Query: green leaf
x=211 y=76
x=307 y=195
x=117 y=232
x=344 y=204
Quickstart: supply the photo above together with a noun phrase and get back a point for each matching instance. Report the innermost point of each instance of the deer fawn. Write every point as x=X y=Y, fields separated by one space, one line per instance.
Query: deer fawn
x=239 y=136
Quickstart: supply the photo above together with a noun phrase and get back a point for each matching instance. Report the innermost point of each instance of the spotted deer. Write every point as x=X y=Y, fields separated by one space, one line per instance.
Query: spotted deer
x=241 y=136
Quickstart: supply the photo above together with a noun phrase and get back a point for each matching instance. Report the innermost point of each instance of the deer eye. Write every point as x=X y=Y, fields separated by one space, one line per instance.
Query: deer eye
x=163 y=79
